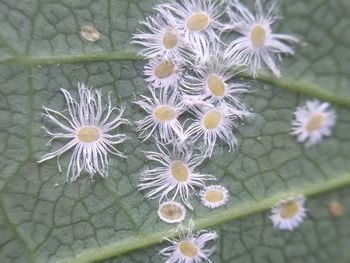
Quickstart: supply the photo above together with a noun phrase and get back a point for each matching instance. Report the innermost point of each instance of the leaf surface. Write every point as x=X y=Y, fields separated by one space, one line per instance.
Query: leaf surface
x=45 y=219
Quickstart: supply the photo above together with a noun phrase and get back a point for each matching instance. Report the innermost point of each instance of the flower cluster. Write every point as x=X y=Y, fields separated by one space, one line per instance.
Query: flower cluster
x=195 y=93
x=195 y=103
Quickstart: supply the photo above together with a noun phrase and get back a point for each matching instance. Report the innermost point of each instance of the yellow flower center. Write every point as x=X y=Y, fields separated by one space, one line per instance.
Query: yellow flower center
x=289 y=209
x=212 y=119
x=315 y=122
x=214 y=196
x=179 y=171
x=171 y=212
x=258 y=36
x=169 y=39
x=164 y=69
x=164 y=113
x=216 y=85
x=197 y=22
x=188 y=249
x=88 y=134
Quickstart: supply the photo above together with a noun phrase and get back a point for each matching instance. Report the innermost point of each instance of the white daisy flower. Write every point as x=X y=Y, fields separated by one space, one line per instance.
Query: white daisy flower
x=90 y=127
x=163 y=113
x=190 y=246
x=171 y=212
x=175 y=175
x=214 y=196
x=258 y=43
x=212 y=123
x=197 y=20
x=313 y=121
x=162 y=38
x=214 y=83
x=162 y=73
x=288 y=214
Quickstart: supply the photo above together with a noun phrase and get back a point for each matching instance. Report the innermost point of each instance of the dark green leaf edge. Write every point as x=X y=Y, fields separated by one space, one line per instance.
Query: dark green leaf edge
x=243 y=210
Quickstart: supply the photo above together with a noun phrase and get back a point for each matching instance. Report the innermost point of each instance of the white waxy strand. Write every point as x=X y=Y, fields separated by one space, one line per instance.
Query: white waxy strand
x=89 y=133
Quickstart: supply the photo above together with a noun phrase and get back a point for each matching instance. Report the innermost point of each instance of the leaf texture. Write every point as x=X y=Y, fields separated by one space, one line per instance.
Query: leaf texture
x=45 y=219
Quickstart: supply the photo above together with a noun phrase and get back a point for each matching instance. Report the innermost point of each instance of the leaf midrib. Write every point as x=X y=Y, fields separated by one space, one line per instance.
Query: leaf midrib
x=230 y=214
x=308 y=89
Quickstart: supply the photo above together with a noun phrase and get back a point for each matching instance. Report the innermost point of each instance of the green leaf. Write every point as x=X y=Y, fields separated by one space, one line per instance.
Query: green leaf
x=45 y=219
